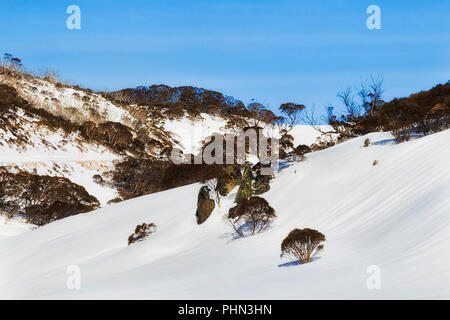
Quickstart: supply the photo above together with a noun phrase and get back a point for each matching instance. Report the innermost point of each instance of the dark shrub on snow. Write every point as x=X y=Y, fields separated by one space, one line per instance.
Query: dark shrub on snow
x=251 y=216
x=141 y=232
x=302 y=244
x=42 y=199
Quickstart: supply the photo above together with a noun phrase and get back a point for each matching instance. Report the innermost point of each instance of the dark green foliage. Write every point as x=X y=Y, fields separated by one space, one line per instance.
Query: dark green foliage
x=245 y=187
x=228 y=180
x=261 y=183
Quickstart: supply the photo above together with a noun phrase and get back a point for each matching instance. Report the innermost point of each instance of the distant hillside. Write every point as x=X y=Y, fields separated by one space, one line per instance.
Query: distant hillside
x=191 y=99
x=116 y=145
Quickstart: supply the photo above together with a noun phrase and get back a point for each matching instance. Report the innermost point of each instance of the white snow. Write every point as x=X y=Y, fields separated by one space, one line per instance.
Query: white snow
x=395 y=215
x=13 y=227
x=45 y=94
x=61 y=155
x=190 y=133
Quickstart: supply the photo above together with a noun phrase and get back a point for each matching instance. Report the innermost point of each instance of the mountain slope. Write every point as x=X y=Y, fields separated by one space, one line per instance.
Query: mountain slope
x=395 y=215
x=50 y=128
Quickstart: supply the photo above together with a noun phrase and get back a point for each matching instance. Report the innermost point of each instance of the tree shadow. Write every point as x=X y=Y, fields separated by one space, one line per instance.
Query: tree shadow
x=284 y=165
x=392 y=141
x=245 y=229
x=384 y=142
x=296 y=263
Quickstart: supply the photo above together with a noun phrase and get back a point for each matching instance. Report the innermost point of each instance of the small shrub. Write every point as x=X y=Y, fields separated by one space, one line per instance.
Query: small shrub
x=141 y=232
x=98 y=179
x=302 y=244
x=375 y=162
x=252 y=215
x=115 y=200
x=367 y=142
x=302 y=149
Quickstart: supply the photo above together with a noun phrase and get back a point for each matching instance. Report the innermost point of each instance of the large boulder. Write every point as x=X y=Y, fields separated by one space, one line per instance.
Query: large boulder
x=205 y=205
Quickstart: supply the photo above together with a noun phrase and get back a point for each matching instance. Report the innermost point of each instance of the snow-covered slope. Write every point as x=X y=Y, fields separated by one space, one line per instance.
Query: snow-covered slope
x=76 y=104
x=395 y=215
x=34 y=148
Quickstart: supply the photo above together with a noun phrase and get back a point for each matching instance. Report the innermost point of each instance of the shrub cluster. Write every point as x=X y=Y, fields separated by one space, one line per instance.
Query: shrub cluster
x=141 y=232
x=42 y=199
x=114 y=135
x=421 y=113
x=174 y=102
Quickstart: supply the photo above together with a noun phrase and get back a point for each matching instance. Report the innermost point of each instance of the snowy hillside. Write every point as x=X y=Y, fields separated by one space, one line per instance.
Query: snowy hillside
x=34 y=148
x=394 y=215
x=190 y=133
x=28 y=144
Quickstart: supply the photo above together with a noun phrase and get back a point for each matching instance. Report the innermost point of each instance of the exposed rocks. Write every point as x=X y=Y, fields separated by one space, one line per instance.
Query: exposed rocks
x=205 y=205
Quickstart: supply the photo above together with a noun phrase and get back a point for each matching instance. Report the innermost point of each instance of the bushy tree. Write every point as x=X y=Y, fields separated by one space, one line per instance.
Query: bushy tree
x=291 y=115
x=42 y=199
x=252 y=215
x=302 y=244
x=291 y=112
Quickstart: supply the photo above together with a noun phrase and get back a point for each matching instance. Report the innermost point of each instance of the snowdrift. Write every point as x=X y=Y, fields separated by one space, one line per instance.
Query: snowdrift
x=394 y=215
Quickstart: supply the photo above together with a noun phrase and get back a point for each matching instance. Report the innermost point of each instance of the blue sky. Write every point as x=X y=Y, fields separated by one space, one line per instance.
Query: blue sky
x=272 y=51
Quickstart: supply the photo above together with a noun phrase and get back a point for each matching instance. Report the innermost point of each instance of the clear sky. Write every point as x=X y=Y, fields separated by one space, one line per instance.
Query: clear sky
x=272 y=51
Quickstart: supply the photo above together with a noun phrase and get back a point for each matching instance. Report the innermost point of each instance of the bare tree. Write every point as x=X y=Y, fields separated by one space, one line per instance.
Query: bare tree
x=348 y=100
x=309 y=117
x=371 y=94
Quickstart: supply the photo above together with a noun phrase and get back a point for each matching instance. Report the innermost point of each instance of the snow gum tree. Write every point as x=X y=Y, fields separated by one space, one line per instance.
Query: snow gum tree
x=251 y=215
x=302 y=244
